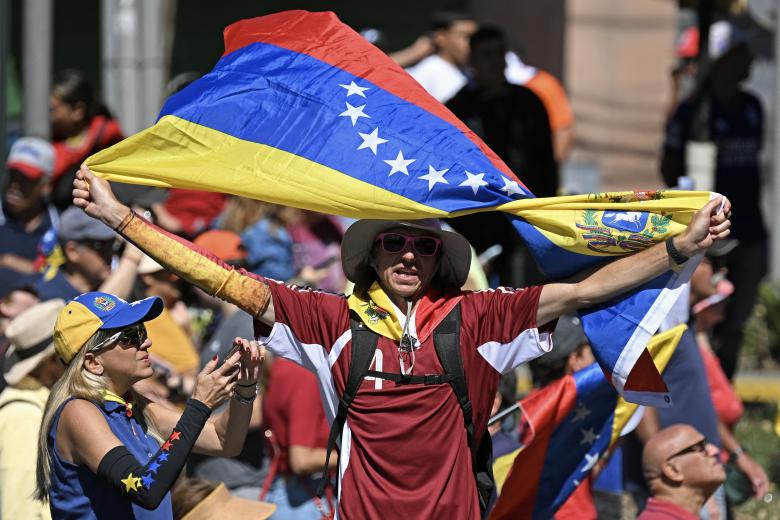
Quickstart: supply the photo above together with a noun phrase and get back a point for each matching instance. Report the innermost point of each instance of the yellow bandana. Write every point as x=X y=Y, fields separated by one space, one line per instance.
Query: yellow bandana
x=111 y=396
x=376 y=311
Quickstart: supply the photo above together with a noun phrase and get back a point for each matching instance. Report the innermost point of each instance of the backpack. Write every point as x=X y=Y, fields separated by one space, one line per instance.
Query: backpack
x=446 y=339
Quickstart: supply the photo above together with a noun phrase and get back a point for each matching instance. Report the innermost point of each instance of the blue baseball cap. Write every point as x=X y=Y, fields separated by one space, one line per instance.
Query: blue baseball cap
x=94 y=311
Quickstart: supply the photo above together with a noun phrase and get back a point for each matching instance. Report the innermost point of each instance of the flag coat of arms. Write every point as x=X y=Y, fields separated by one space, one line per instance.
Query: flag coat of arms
x=302 y=111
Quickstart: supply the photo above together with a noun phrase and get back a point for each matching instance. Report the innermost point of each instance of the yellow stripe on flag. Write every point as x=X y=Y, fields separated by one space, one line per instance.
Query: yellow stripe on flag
x=501 y=467
x=176 y=153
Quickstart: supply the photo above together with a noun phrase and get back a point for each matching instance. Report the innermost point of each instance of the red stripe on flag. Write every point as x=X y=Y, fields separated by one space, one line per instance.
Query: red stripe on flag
x=644 y=376
x=324 y=37
x=544 y=410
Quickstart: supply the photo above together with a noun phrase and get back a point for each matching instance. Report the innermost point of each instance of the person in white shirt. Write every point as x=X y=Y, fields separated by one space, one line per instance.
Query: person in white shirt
x=441 y=73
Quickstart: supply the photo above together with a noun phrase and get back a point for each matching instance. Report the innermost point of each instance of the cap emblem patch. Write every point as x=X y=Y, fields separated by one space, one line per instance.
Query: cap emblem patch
x=104 y=303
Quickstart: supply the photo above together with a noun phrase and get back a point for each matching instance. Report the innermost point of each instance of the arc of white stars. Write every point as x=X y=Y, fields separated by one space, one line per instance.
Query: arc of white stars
x=371 y=140
x=580 y=413
x=511 y=187
x=352 y=88
x=588 y=436
x=354 y=113
x=399 y=164
x=474 y=181
x=590 y=460
x=434 y=176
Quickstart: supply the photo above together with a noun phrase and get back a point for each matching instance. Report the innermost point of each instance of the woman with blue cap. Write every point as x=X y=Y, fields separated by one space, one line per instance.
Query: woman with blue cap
x=104 y=451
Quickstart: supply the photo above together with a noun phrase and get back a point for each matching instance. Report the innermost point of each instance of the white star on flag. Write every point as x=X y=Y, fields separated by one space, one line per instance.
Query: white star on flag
x=354 y=113
x=580 y=413
x=474 y=181
x=399 y=164
x=434 y=176
x=511 y=187
x=354 y=89
x=588 y=436
x=371 y=140
x=590 y=460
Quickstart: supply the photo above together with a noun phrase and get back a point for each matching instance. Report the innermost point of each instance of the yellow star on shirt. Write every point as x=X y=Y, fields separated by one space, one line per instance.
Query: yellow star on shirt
x=131 y=483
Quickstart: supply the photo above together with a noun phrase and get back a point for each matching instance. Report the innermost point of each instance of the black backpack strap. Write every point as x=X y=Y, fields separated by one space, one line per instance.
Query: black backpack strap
x=363 y=347
x=446 y=339
x=403 y=379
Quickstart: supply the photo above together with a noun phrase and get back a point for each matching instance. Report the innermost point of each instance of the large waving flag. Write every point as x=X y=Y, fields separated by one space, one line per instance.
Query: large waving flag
x=302 y=111
x=573 y=423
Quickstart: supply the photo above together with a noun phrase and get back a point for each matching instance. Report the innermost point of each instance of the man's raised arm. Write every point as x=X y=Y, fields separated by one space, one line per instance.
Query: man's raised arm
x=709 y=224
x=245 y=290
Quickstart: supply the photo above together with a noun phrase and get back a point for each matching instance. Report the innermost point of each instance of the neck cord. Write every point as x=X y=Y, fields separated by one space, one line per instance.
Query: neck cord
x=406 y=345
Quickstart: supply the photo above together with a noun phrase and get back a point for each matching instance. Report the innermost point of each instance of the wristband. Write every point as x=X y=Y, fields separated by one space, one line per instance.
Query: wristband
x=125 y=221
x=244 y=400
x=736 y=452
x=674 y=253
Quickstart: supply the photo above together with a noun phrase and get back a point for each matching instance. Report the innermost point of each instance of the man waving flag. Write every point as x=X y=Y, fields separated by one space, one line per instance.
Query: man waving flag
x=302 y=111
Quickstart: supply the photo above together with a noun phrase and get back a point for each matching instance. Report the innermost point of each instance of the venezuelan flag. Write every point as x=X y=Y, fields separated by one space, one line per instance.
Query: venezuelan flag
x=302 y=111
x=574 y=422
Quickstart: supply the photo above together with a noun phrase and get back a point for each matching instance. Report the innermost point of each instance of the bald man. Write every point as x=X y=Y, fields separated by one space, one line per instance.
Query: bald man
x=682 y=470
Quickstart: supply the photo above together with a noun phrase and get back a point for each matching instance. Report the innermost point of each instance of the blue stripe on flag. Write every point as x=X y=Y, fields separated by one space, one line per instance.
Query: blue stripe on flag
x=292 y=107
x=578 y=442
x=612 y=324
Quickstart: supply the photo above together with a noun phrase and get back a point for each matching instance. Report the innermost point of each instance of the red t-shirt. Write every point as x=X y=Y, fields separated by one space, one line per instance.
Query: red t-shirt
x=101 y=133
x=292 y=410
x=663 y=510
x=404 y=452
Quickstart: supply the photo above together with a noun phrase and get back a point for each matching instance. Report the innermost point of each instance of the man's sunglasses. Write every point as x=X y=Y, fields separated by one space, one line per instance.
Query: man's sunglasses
x=134 y=336
x=397 y=242
x=699 y=447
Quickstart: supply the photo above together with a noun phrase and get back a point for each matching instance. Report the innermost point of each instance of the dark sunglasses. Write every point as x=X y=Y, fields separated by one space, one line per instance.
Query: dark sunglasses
x=699 y=447
x=397 y=242
x=133 y=336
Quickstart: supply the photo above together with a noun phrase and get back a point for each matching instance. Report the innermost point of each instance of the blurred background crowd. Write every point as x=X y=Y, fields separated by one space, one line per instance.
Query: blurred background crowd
x=575 y=96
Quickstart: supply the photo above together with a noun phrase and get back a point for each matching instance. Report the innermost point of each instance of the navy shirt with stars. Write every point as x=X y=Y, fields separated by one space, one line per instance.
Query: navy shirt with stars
x=76 y=492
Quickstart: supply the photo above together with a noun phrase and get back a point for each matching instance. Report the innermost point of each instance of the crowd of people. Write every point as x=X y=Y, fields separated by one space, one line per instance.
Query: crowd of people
x=134 y=323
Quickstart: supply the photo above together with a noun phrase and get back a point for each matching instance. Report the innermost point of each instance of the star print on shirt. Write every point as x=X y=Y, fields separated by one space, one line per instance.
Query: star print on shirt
x=371 y=140
x=588 y=436
x=154 y=466
x=352 y=88
x=354 y=113
x=131 y=483
x=162 y=457
x=399 y=164
x=474 y=181
x=148 y=480
x=434 y=176
x=166 y=446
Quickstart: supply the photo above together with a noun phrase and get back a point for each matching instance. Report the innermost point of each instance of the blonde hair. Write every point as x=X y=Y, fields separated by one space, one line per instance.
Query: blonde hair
x=77 y=382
